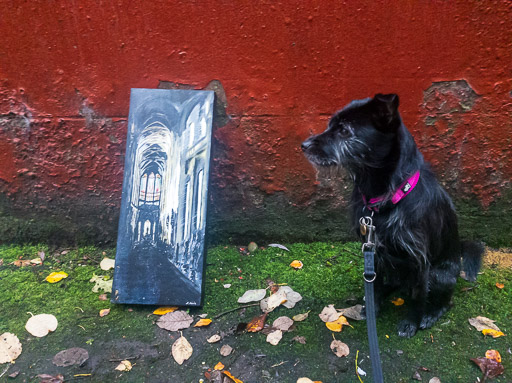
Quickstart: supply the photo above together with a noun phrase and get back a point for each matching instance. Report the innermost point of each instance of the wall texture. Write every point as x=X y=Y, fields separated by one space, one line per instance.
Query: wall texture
x=279 y=70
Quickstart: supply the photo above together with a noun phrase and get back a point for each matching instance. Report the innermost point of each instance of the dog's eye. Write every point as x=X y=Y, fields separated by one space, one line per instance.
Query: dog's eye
x=344 y=131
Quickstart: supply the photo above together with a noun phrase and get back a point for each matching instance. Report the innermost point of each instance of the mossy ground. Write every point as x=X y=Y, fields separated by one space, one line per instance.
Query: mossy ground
x=331 y=275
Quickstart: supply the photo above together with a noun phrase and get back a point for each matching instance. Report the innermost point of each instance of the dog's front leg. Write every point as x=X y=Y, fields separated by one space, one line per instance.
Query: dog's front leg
x=417 y=307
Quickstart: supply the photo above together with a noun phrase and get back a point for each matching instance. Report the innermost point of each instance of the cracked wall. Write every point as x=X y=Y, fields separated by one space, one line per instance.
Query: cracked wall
x=279 y=71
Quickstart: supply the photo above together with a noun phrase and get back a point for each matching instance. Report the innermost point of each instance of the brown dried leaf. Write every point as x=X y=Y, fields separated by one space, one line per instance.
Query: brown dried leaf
x=282 y=323
x=489 y=367
x=181 y=350
x=226 y=350
x=10 y=347
x=353 y=312
x=481 y=323
x=329 y=314
x=299 y=339
x=71 y=356
x=339 y=348
x=257 y=323
x=274 y=337
x=175 y=321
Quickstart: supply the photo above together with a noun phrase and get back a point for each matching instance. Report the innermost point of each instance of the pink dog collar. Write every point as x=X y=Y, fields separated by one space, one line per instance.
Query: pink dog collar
x=402 y=191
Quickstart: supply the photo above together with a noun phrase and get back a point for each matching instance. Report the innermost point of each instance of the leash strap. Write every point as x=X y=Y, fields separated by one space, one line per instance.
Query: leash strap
x=369 y=277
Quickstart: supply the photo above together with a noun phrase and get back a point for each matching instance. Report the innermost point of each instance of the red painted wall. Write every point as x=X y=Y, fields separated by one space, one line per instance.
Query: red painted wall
x=66 y=69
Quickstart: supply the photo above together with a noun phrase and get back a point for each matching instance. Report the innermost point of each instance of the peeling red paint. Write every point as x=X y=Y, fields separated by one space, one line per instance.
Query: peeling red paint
x=66 y=70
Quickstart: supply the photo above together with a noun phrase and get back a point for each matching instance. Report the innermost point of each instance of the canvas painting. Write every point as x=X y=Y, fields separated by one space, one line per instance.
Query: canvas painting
x=160 y=246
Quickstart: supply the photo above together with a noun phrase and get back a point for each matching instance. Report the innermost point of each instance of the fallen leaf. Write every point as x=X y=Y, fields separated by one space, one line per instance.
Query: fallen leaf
x=275 y=300
x=10 y=347
x=36 y=261
x=102 y=297
x=219 y=366
x=398 y=302
x=338 y=324
x=492 y=332
x=226 y=350
x=164 y=310
x=228 y=374
x=41 y=255
x=329 y=314
x=282 y=323
x=278 y=246
x=181 y=350
x=489 y=367
x=353 y=312
x=416 y=376
x=304 y=380
x=257 y=323
x=252 y=247
x=40 y=325
x=46 y=378
x=297 y=265
x=339 y=348
x=292 y=297
x=107 y=264
x=213 y=339
x=493 y=354
x=125 y=365
x=227 y=285
x=500 y=285
x=21 y=262
x=481 y=323
x=70 y=357
x=175 y=321
x=203 y=323
x=299 y=339
x=252 y=296
x=56 y=276
x=274 y=337
x=435 y=379
x=104 y=312
x=300 y=317
x=101 y=283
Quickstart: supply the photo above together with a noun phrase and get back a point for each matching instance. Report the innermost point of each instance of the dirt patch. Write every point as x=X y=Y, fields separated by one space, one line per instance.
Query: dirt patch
x=500 y=258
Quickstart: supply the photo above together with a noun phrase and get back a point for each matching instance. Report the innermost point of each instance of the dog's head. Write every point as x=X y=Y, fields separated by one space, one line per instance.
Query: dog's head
x=362 y=134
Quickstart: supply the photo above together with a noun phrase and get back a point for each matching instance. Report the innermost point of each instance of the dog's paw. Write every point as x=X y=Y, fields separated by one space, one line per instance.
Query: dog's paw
x=429 y=319
x=407 y=328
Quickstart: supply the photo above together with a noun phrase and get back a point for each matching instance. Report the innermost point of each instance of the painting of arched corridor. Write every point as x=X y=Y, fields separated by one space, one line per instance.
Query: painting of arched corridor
x=160 y=251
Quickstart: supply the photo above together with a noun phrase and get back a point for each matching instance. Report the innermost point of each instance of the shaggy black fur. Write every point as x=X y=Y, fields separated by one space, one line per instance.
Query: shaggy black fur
x=418 y=247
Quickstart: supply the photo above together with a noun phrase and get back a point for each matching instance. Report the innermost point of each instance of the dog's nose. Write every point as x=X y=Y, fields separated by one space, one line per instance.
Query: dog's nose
x=306 y=144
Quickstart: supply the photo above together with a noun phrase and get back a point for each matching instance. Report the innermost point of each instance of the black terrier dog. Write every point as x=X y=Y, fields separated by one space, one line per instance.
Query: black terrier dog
x=418 y=247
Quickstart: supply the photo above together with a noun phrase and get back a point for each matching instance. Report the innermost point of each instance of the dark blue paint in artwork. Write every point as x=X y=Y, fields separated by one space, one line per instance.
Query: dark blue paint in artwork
x=160 y=245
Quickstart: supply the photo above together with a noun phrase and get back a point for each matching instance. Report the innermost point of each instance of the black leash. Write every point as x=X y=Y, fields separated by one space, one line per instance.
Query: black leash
x=369 y=275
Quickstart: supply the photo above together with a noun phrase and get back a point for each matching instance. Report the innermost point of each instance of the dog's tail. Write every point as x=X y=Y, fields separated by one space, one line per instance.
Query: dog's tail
x=472 y=252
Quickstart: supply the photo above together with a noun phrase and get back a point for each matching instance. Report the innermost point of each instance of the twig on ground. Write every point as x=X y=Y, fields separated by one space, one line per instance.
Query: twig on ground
x=236 y=308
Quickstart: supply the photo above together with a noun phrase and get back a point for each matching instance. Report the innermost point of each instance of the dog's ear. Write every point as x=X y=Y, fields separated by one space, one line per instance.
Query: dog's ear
x=386 y=114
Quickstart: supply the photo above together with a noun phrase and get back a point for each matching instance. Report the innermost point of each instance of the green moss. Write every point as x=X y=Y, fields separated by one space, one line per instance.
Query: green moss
x=331 y=275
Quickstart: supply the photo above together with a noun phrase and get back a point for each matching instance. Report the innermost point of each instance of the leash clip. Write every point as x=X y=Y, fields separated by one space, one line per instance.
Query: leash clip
x=368 y=231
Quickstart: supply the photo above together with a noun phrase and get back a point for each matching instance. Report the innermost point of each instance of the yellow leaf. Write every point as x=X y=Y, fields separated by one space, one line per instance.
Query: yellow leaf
x=56 y=276
x=125 y=365
x=500 y=285
x=494 y=355
x=227 y=373
x=296 y=264
x=104 y=312
x=338 y=324
x=164 y=310
x=493 y=333
x=398 y=302
x=219 y=366
x=203 y=322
